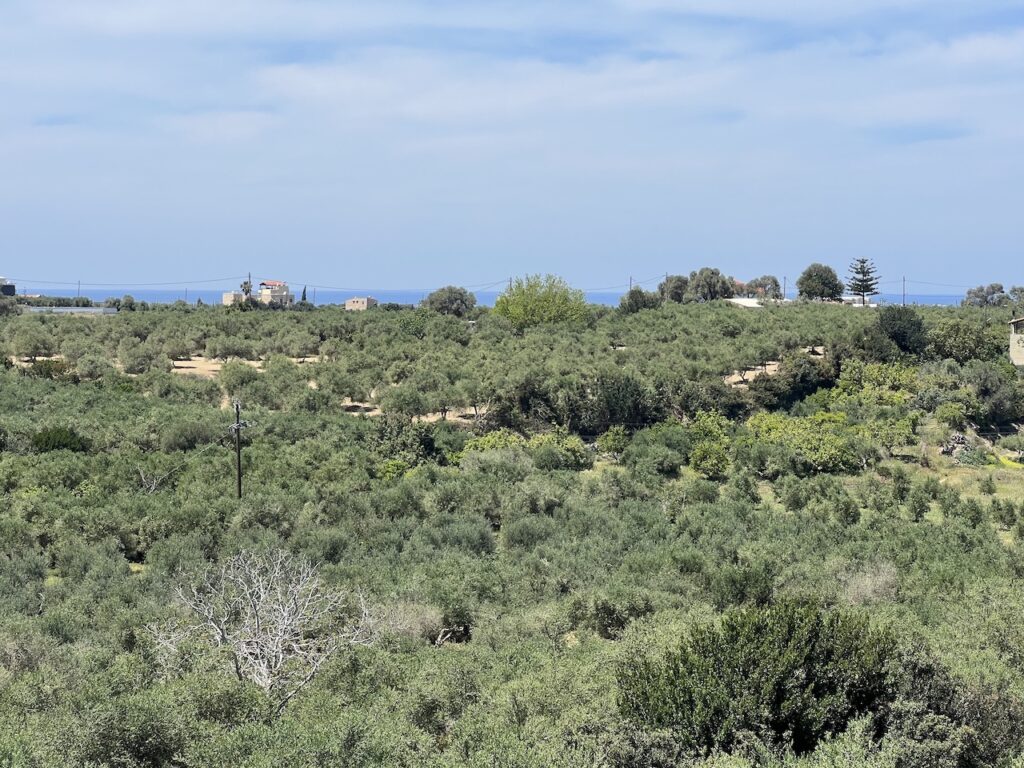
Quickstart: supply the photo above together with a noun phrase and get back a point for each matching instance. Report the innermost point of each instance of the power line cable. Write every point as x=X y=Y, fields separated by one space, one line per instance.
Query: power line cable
x=939 y=285
x=126 y=285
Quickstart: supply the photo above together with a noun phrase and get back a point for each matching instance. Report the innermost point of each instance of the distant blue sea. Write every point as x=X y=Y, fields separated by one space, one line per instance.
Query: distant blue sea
x=326 y=297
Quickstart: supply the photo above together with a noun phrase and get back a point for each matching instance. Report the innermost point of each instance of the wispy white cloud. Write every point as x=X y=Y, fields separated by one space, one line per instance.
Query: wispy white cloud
x=571 y=131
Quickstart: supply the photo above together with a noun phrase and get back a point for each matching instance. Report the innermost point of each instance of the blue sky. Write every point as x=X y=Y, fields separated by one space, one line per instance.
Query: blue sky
x=402 y=144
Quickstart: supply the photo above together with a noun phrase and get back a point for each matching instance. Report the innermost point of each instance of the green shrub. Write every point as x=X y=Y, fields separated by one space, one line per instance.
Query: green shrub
x=918 y=503
x=391 y=469
x=790 y=676
x=1005 y=513
x=901 y=484
x=699 y=491
x=188 y=435
x=822 y=442
x=59 y=439
x=710 y=460
x=974 y=456
x=559 y=450
x=742 y=584
x=91 y=367
x=235 y=374
x=614 y=441
x=141 y=730
x=612 y=613
x=743 y=487
x=53 y=369
x=952 y=414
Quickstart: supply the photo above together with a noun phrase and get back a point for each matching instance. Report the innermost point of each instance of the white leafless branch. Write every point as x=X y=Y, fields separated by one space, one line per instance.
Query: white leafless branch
x=275 y=618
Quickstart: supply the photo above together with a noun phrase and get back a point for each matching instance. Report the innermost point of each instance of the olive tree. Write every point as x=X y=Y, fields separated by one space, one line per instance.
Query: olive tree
x=764 y=287
x=451 y=300
x=991 y=295
x=905 y=327
x=638 y=299
x=32 y=341
x=709 y=284
x=673 y=288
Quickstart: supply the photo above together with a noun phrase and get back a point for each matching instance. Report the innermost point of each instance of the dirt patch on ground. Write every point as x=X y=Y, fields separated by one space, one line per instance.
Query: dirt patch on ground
x=459 y=415
x=204 y=367
x=742 y=379
x=348 y=405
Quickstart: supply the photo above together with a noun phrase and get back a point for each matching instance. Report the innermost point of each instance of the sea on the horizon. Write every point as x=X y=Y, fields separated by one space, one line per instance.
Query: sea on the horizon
x=327 y=297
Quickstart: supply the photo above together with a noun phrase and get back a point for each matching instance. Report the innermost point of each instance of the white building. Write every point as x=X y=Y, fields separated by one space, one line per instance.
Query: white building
x=360 y=303
x=270 y=292
x=1017 y=341
x=275 y=292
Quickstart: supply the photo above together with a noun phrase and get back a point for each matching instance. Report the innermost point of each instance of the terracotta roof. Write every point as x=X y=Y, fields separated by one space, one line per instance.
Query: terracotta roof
x=273 y=283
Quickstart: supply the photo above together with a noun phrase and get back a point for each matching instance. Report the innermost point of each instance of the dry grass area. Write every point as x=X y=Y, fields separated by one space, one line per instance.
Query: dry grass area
x=204 y=367
x=208 y=368
x=25 y=362
x=742 y=379
x=458 y=415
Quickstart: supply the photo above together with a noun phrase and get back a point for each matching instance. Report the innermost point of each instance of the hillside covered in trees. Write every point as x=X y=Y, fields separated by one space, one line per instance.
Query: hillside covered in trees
x=549 y=534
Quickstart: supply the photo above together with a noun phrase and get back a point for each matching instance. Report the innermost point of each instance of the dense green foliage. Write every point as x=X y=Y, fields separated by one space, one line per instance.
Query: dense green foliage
x=579 y=545
x=819 y=282
x=536 y=300
x=789 y=674
x=451 y=300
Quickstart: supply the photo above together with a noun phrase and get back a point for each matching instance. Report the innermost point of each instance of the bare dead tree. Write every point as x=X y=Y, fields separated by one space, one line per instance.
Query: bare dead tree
x=275 y=619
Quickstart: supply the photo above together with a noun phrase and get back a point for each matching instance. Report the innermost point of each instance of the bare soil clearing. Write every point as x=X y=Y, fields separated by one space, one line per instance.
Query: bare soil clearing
x=204 y=367
x=459 y=415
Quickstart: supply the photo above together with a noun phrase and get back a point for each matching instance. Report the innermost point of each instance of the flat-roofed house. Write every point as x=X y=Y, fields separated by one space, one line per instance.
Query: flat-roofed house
x=360 y=303
x=1017 y=341
x=275 y=292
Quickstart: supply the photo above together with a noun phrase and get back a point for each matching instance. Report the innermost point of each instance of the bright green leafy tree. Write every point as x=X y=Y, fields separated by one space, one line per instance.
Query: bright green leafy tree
x=819 y=283
x=535 y=300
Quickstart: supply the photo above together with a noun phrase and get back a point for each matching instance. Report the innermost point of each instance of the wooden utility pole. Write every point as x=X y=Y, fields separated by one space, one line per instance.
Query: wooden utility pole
x=904 y=291
x=785 y=286
x=237 y=429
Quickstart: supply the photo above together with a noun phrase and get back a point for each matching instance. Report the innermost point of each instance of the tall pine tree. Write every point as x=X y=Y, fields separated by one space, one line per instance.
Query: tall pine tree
x=863 y=280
